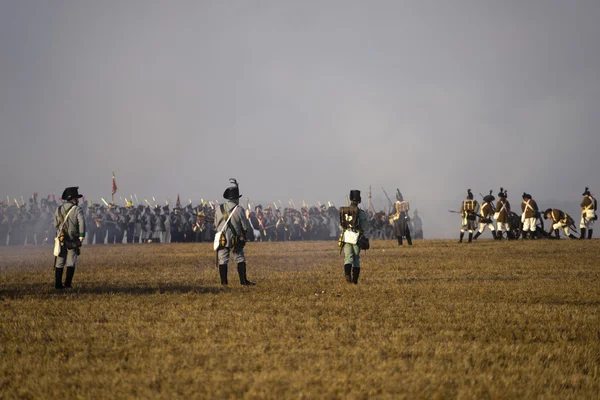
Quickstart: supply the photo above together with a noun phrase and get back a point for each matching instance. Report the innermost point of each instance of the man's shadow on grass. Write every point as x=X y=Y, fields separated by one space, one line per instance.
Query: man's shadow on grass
x=46 y=289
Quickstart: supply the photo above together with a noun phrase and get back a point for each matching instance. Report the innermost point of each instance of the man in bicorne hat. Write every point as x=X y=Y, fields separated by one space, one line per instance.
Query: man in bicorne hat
x=468 y=209
x=69 y=222
x=230 y=220
x=502 y=215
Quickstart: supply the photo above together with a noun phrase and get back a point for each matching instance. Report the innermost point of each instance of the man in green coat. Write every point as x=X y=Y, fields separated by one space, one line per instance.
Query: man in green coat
x=354 y=223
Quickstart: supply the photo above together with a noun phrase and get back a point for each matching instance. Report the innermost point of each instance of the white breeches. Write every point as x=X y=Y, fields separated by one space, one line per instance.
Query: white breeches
x=560 y=225
x=503 y=226
x=587 y=219
x=483 y=225
x=529 y=224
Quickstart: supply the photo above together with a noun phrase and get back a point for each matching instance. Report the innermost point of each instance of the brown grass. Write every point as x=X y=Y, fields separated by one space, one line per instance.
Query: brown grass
x=439 y=320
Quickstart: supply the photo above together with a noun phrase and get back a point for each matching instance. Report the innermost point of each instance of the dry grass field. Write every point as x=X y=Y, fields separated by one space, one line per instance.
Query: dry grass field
x=438 y=320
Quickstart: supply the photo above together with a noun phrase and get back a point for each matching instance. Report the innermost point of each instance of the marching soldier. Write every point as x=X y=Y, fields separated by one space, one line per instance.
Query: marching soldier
x=588 y=214
x=468 y=209
x=559 y=220
x=231 y=229
x=69 y=222
x=354 y=223
x=502 y=214
x=529 y=209
x=485 y=218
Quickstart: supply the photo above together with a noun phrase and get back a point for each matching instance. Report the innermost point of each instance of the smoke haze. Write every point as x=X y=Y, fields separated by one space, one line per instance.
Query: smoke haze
x=303 y=100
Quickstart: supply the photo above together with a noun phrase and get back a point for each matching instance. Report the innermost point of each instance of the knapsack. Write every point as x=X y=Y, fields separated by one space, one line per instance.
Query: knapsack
x=349 y=217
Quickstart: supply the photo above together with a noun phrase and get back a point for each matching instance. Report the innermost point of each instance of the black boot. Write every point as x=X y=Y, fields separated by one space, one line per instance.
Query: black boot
x=533 y=235
x=582 y=233
x=70 y=273
x=470 y=237
x=355 y=274
x=399 y=240
x=462 y=235
x=347 y=272
x=223 y=274
x=556 y=234
x=242 y=273
x=499 y=235
x=58 y=273
x=571 y=236
x=409 y=240
x=590 y=233
x=524 y=235
x=476 y=235
x=494 y=235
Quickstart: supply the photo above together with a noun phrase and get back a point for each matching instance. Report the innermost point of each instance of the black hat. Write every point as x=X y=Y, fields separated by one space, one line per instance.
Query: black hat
x=526 y=195
x=355 y=195
x=469 y=194
x=489 y=198
x=71 y=193
x=502 y=193
x=549 y=210
x=587 y=192
x=166 y=208
x=232 y=192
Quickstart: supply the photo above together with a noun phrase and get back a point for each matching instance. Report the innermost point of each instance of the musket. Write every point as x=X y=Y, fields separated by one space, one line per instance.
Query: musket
x=136 y=200
x=104 y=201
x=147 y=202
x=17 y=203
x=387 y=197
x=347 y=200
x=275 y=204
x=22 y=201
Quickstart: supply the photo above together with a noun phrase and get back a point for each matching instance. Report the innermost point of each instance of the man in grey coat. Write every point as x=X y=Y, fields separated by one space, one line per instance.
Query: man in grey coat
x=69 y=223
x=230 y=220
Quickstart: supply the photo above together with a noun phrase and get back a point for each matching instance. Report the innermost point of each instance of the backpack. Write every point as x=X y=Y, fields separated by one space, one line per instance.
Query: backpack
x=349 y=217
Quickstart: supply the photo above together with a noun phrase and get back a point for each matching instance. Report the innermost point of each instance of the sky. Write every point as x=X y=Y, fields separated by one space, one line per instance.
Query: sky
x=302 y=100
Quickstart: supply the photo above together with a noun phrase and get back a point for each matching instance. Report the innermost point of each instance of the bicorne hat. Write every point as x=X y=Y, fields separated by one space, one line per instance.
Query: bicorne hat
x=587 y=192
x=355 y=195
x=71 y=193
x=232 y=192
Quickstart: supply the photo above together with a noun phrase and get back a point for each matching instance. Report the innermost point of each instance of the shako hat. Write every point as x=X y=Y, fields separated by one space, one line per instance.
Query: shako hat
x=469 y=194
x=232 y=192
x=71 y=193
x=355 y=195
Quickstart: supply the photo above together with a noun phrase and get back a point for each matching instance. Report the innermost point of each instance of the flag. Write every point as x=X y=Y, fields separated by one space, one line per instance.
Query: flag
x=178 y=203
x=114 y=185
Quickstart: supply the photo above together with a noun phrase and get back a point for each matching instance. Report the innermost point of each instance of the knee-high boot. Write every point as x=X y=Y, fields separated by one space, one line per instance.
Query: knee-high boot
x=242 y=273
x=494 y=235
x=223 y=274
x=583 y=232
x=590 y=232
x=70 y=274
x=476 y=235
x=399 y=240
x=58 y=273
x=470 y=237
x=409 y=239
x=348 y=272
x=462 y=235
x=355 y=274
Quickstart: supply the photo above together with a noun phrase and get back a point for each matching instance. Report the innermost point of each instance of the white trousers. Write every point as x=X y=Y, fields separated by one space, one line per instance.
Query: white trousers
x=503 y=226
x=529 y=224
x=482 y=226
x=587 y=220
x=560 y=225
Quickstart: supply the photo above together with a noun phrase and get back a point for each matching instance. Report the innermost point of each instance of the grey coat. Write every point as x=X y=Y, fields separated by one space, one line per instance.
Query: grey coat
x=238 y=221
x=75 y=225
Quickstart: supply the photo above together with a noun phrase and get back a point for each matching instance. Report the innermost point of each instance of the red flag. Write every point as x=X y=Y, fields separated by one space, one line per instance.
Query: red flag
x=114 y=185
x=178 y=203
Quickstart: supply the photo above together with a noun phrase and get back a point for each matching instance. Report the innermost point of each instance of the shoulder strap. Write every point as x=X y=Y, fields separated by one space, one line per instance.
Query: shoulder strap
x=62 y=224
x=228 y=218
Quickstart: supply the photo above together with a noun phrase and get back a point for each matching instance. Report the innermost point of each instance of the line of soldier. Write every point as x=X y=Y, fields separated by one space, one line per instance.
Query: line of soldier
x=111 y=223
x=525 y=225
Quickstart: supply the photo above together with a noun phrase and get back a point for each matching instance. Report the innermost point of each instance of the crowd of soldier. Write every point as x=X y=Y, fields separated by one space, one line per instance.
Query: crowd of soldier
x=32 y=224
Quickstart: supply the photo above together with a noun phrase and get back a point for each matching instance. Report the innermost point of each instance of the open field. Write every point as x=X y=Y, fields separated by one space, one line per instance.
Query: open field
x=439 y=320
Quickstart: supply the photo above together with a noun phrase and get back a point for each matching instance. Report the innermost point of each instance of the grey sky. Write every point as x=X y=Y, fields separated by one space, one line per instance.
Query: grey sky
x=302 y=100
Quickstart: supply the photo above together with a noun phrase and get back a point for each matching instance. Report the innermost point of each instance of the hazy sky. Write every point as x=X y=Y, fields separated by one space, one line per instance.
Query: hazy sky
x=302 y=99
